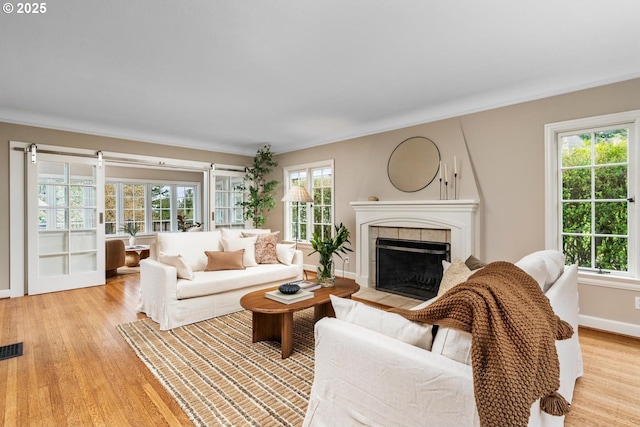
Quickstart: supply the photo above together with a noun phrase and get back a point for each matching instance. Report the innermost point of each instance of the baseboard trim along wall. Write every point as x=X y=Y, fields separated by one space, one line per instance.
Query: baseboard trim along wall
x=5 y=293
x=609 y=325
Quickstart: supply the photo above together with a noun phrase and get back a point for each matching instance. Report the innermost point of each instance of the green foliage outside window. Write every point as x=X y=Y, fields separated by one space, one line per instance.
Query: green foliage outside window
x=594 y=194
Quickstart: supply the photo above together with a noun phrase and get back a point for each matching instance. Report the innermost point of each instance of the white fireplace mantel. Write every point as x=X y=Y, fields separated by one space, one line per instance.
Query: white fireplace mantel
x=461 y=217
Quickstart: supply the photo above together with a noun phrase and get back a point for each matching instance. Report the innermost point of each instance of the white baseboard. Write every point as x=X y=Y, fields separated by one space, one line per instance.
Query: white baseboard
x=5 y=293
x=609 y=325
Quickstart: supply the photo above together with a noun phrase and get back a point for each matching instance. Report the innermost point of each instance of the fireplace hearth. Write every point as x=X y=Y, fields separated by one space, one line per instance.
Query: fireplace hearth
x=410 y=268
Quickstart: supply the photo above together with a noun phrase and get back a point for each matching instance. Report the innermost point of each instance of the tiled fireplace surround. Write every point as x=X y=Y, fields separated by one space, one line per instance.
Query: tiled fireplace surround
x=452 y=221
x=403 y=233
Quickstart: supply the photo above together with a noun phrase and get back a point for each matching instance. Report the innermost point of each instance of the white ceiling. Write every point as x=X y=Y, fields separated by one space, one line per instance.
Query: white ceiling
x=232 y=76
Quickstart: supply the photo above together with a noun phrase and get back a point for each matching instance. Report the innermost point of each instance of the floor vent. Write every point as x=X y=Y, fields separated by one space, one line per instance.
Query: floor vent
x=11 y=350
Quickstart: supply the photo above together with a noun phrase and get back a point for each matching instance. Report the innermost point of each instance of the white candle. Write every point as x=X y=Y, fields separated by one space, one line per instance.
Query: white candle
x=445 y=173
x=455 y=166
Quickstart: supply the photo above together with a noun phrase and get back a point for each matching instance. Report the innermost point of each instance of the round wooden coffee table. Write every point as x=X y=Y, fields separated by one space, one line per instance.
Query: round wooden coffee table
x=273 y=320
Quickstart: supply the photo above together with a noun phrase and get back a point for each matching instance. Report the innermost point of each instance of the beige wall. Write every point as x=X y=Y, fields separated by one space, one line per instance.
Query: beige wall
x=10 y=132
x=506 y=153
x=502 y=166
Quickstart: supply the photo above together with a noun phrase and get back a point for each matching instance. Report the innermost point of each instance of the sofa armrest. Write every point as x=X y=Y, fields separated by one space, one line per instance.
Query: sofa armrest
x=158 y=290
x=365 y=378
x=298 y=260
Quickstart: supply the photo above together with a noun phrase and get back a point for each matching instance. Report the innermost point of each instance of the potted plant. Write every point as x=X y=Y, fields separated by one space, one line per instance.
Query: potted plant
x=260 y=197
x=327 y=247
x=131 y=229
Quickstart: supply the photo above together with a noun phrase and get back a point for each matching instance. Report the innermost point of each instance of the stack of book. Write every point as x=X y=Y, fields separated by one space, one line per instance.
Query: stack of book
x=301 y=295
x=308 y=285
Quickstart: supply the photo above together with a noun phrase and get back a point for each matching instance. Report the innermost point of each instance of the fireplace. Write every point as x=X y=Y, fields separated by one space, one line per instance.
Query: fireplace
x=458 y=219
x=409 y=267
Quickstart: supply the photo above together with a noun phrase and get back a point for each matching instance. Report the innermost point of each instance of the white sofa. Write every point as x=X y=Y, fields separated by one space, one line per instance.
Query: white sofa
x=366 y=378
x=173 y=301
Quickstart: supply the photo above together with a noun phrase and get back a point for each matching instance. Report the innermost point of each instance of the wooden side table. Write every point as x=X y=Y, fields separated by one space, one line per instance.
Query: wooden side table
x=273 y=320
x=133 y=254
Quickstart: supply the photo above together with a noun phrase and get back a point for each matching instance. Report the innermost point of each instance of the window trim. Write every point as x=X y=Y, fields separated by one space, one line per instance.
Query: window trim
x=552 y=190
x=287 y=216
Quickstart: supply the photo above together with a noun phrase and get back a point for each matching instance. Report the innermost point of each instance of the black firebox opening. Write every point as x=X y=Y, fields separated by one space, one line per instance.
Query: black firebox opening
x=410 y=268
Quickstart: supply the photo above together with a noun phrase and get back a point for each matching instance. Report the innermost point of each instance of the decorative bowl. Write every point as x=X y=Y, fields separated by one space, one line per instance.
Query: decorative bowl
x=289 y=288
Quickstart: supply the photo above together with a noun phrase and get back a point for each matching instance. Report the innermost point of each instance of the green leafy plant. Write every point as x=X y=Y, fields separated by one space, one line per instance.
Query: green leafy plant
x=182 y=224
x=260 y=197
x=130 y=228
x=327 y=247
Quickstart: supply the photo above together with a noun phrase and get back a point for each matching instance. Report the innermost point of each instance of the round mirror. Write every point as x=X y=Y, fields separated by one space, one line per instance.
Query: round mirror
x=413 y=164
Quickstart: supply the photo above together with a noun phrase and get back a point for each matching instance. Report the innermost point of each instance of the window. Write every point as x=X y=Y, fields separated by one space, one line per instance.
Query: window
x=304 y=219
x=591 y=181
x=133 y=205
x=161 y=208
x=228 y=195
x=152 y=207
x=186 y=205
x=110 y=208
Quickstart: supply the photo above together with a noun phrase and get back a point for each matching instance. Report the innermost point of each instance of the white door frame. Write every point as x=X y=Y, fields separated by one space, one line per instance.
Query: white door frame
x=17 y=198
x=76 y=254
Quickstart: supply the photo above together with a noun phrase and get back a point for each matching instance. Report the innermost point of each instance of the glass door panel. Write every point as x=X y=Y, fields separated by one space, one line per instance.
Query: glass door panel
x=66 y=238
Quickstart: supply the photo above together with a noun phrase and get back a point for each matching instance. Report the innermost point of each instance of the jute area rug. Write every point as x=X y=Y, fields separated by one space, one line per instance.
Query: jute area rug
x=220 y=378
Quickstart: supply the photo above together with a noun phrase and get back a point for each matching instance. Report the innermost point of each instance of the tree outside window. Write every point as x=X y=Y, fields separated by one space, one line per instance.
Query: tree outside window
x=133 y=196
x=185 y=205
x=594 y=183
x=161 y=208
x=150 y=207
x=110 y=208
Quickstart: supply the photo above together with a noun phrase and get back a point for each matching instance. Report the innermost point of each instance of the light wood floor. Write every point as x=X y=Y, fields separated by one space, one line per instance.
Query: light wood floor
x=77 y=370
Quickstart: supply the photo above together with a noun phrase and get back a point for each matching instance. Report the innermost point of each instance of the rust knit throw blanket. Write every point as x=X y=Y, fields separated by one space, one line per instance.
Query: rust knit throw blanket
x=513 y=353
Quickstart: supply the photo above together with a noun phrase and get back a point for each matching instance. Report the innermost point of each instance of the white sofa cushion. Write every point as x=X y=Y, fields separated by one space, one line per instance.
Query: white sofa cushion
x=191 y=246
x=184 y=271
x=246 y=243
x=215 y=282
x=534 y=267
x=236 y=233
x=554 y=264
x=454 y=344
x=390 y=324
x=285 y=253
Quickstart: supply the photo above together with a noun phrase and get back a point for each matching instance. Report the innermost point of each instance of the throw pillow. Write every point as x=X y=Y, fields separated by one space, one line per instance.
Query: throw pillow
x=228 y=260
x=457 y=273
x=184 y=271
x=534 y=267
x=554 y=261
x=474 y=263
x=246 y=243
x=265 y=247
x=390 y=324
x=285 y=253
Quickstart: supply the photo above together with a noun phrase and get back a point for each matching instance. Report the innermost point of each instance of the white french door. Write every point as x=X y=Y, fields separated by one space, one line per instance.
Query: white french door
x=65 y=237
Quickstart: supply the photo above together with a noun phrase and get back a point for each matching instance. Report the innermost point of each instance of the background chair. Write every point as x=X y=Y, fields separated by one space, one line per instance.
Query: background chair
x=114 y=256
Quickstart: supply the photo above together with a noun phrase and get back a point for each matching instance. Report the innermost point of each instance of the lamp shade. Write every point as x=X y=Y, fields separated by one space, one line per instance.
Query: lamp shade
x=297 y=194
